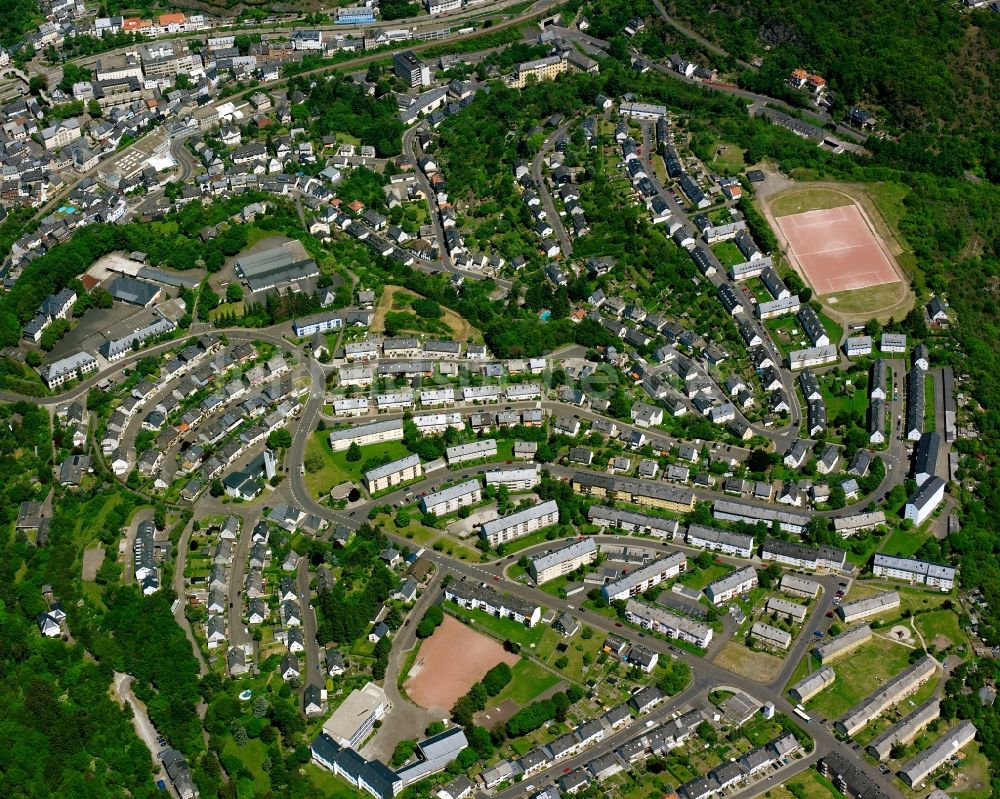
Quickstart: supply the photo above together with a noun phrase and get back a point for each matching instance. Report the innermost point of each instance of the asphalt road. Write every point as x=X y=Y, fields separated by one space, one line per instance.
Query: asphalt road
x=565 y=242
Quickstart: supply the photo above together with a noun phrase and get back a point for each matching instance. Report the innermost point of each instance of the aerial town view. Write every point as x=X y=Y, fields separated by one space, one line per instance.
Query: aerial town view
x=499 y=398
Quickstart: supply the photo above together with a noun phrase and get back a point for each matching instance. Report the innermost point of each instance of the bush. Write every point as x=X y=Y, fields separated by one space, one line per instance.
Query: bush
x=497 y=679
x=430 y=622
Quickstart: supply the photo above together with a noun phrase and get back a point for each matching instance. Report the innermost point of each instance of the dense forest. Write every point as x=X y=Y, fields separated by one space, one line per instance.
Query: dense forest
x=930 y=72
x=19 y=17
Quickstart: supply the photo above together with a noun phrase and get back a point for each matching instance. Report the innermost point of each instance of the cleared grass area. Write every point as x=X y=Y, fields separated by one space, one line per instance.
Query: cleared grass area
x=252 y=756
x=808 y=785
x=871 y=300
x=903 y=543
x=727 y=157
x=329 y=786
x=699 y=578
x=757 y=666
x=728 y=253
x=337 y=469
x=939 y=626
x=797 y=201
x=858 y=675
x=397 y=298
x=929 y=421
x=528 y=680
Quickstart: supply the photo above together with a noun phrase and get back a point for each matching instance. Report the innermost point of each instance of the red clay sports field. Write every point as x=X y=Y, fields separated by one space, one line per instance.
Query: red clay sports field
x=836 y=250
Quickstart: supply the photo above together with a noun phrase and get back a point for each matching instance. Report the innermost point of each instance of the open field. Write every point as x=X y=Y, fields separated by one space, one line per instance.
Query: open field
x=812 y=785
x=337 y=469
x=757 y=666
x=726 y=158
x=397 y=298
x=450 y=662
x=92 y=560
x=903 y=543
x=528 y=681
x=940 y=628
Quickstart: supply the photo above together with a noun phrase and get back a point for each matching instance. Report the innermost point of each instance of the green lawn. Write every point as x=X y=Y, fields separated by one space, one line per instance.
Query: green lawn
x=728 y=253
x=337 y=469
x=699 y=578
x=858 y=675
x=252 y=756
x=501 y=628
x=329 y=786
x=809 y=785
x=903 y=543
x=940 y=622
x=528 y=680
x=530 y=540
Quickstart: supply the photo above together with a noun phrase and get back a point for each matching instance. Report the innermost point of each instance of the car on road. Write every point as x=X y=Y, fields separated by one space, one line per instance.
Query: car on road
x=618 y=624
x=496 y=579
x=161 y=785
x=829 y=614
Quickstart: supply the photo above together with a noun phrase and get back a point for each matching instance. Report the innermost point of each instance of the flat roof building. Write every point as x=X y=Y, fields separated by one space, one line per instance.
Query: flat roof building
x=355 y=718
x=276 y=266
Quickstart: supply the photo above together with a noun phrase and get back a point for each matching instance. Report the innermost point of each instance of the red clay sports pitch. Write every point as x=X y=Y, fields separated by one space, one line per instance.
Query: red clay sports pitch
x=836 y=250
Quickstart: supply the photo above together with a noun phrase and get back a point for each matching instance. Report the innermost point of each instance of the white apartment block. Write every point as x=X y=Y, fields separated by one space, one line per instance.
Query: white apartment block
x=562 y=561
x=460 y=453
x=516 y=479
x=645 y=577
x=394 y=473
x=711 y=538
x=365 y=434
x=724 y=589
x=666 y=623
x=863 y=608
x=914 y=571
x=449 y=500
x=433 y=423
x=352 y=406
x=516 y=525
